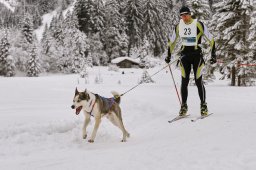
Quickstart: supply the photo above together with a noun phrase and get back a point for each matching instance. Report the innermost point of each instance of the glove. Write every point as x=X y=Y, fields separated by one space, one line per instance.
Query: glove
x=213 y=59
x=167 y=59
x=169 y=55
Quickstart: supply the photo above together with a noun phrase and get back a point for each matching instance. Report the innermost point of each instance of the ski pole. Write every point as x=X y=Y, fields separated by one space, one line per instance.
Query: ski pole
x=174 y=83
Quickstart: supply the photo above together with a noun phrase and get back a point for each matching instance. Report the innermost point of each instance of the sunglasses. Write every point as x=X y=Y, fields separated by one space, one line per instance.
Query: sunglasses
x=184 y=14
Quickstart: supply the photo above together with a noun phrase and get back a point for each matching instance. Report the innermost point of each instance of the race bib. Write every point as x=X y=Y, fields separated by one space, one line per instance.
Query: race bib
x=188 y=33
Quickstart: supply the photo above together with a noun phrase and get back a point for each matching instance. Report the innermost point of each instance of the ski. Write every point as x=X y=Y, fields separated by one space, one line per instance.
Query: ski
x=200 y=117
x=177 y=118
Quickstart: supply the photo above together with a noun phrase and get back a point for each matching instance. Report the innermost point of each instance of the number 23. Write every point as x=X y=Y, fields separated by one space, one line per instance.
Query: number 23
x=187 y=31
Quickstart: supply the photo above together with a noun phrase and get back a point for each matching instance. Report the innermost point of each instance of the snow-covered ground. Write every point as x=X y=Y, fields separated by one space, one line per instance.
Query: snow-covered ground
x=39 y=130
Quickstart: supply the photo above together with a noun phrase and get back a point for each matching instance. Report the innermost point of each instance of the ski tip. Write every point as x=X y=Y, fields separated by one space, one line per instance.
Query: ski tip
x=201 y=117
x=178 y=118
x=170 y=121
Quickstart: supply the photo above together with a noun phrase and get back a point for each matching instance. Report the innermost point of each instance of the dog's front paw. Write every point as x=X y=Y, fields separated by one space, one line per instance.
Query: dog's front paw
x=85 y=136
x=124 y=140
x=91 y=140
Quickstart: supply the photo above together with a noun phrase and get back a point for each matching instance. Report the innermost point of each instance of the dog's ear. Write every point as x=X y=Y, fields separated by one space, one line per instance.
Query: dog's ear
x=76 y=92
x=85 y=90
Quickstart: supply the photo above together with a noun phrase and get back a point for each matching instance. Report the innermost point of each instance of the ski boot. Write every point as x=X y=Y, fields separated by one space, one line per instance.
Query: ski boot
x=204 y=109
x=183 y=109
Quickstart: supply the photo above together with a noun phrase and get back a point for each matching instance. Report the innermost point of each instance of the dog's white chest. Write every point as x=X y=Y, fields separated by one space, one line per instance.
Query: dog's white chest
x=89 y=106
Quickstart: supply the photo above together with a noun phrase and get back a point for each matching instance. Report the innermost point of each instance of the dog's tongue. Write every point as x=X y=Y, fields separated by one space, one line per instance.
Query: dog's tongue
x=78 y=110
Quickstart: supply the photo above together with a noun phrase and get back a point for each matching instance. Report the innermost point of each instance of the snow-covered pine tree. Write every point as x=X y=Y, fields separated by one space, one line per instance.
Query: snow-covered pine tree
x=232 y=21
x=146 y=77
x=211 y=5
x=76 y=50
x=153 y=25
x=33 y=64
x=10 y=66
x=22 y=42
x=77 y=64
x=200 y=9
x=252 y=47
x=88 y=61
x=252 y=33
x=64 y=4
x=113 y=10
x=133 y=12
x=27 y=32
x=7 y=64
x=44 y=6
x=90 y=16
x=144 y=53
x=62 y=37
x=53 y=25
x=58 y=29
x=183 y=2
x=50 y=51
x=81 y=45
x=97 y=17
x=216 y=25
x=83 y=15
x=7 y=19
x=4 y=50
x=123 y=38
x=96 y=50
x=16 y=51
x=76 y=45
x=134 y=52
x=45 y=41
x=244 y=75
x=70 y=21
x=112 y=43
x=170 y=15
x=114 y=36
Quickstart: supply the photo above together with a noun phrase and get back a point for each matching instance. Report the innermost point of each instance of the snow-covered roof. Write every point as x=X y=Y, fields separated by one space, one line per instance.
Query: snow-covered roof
x=120 y=59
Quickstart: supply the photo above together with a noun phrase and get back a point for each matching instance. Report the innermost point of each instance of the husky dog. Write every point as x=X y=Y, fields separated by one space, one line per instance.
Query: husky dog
x=97 y=106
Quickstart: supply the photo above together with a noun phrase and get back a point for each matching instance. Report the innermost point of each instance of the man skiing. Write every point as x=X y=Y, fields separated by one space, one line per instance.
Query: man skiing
x=191 y=31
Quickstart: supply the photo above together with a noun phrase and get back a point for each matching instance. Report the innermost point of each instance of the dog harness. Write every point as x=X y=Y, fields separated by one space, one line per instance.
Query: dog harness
x=107 y=102
x=92 y=106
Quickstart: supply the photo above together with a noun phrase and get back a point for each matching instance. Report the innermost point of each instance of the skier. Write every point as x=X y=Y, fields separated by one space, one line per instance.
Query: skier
x=191 y=31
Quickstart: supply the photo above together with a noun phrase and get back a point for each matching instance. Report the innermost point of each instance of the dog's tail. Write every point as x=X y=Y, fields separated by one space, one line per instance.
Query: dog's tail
x=117 y=96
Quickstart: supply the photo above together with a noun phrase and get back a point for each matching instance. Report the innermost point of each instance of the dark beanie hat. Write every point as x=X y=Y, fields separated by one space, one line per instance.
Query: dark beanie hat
x=184 y=10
